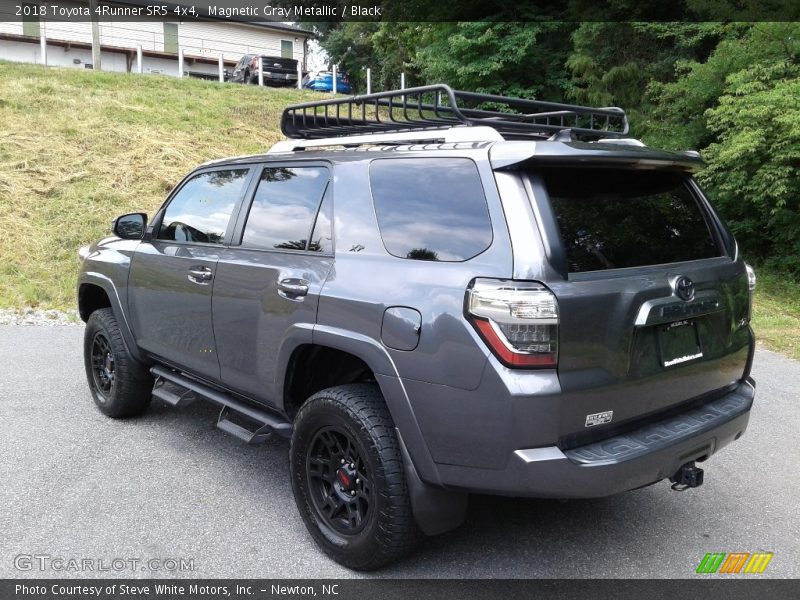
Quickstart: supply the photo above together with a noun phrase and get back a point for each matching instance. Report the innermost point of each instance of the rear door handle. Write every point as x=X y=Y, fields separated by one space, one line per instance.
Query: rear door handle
x=201 y=275
x=292 y=289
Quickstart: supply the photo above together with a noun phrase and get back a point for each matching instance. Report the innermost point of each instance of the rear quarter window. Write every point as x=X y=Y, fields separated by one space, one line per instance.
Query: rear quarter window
x=617 y=218
x=430 y=208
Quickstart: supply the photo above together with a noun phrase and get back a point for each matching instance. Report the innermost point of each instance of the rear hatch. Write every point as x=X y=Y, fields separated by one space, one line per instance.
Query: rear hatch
x=653 y=303
x=277 y=64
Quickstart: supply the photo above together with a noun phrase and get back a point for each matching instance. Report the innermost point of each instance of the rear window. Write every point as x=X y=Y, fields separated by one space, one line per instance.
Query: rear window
x=430 y=208
x=613 y=218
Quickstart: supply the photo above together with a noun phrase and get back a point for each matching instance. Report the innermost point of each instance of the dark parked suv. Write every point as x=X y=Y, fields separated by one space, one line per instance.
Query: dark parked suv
x=433 y=293
x=277 y=71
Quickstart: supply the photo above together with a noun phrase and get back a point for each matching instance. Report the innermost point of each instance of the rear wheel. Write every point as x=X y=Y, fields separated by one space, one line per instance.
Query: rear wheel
x=348 y=479
x=120 y=385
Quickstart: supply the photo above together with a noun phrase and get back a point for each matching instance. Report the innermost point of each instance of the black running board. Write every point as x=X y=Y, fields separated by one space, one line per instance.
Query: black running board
x=188 y=389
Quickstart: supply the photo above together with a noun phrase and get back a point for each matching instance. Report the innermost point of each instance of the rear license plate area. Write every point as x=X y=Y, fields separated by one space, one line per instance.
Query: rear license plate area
x=678 y=343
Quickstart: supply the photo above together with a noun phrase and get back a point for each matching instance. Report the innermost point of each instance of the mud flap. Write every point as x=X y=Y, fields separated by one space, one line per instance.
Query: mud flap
x=436 y=510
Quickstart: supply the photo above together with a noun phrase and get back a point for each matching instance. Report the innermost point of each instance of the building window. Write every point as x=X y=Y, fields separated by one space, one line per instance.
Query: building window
x=171 y=38
x=30 y=20
x=287 y=49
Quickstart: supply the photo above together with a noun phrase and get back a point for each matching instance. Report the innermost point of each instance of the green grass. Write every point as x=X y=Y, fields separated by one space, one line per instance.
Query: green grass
x=776 y=313
x=78 y=148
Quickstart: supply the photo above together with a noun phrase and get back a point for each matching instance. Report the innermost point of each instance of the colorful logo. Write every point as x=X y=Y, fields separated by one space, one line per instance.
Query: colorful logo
x=734 y=562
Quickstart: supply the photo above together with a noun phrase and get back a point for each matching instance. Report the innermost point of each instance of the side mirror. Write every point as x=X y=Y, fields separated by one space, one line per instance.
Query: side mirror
x=130 y=226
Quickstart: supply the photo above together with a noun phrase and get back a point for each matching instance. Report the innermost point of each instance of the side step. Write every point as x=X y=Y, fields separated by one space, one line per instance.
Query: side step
x=265 y=423
x=172 y=394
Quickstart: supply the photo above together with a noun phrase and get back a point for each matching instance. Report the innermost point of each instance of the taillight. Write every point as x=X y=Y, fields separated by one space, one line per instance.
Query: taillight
x=751 y=286
x=751 y=277
x=517 y=320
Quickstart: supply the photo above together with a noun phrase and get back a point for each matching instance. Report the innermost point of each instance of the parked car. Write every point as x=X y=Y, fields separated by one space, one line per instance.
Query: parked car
x=322 y=81
x=517 y=303
x=278 y=71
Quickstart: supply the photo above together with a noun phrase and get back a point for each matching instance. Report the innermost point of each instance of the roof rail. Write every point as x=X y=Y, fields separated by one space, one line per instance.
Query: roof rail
x=446 y=135
x=439 y=106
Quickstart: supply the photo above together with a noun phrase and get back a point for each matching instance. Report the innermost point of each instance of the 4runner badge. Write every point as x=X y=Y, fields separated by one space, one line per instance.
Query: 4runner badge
x=599 y=418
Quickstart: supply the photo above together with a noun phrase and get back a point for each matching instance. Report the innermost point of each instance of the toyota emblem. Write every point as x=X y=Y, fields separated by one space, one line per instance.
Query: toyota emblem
x=684 y=288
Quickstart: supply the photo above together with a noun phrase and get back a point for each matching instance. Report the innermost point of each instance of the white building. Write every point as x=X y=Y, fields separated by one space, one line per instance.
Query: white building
x=69 y=43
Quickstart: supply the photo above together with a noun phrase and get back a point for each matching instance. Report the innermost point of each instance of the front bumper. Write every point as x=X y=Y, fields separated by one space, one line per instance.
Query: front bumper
x=617 y=464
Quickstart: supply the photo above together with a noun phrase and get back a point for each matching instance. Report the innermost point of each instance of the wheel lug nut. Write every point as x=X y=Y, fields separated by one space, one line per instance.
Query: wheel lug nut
x=352 y=465
x=342 y=461
x=358 y=481
x=353 y=493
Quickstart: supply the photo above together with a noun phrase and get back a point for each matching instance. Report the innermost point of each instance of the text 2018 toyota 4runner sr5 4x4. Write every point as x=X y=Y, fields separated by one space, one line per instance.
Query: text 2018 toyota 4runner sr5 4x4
x=432 y=293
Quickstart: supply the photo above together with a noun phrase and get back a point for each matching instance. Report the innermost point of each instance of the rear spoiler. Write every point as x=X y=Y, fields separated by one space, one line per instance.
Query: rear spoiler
x=619 y=152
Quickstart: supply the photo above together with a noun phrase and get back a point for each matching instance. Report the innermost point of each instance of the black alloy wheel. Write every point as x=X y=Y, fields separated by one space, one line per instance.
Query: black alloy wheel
x=348 y=478
x=338 y=481
x=103 y=366
x=121 y=386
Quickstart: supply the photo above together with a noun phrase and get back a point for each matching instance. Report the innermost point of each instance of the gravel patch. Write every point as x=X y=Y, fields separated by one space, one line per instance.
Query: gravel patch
x=32 y=316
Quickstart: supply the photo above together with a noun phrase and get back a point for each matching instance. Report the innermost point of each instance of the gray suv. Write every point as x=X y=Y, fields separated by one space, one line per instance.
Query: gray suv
x=434 y=293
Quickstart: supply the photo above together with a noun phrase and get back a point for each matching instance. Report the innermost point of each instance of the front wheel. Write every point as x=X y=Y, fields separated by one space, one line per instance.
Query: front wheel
x=348 y=478
x=120 y=385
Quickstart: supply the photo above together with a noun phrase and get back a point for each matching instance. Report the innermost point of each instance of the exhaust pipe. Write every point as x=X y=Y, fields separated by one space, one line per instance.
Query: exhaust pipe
x=688 y=476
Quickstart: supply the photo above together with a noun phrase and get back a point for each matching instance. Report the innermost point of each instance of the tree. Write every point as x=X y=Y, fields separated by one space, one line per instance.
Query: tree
x=754 y=167
x=613 y=64
x=517 y=59
x=678 y=119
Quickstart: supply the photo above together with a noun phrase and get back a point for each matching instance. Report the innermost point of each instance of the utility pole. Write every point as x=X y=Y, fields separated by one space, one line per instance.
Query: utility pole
x=95 y=35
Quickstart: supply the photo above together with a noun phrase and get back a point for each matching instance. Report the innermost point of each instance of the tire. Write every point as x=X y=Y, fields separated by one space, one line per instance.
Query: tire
x=352 y=421
x=120 y=385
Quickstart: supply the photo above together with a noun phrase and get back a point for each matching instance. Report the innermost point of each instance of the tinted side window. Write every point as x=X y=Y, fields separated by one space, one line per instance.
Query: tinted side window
x=284 y=207
x=430 y=208
x=616 y=218
x=201 y=210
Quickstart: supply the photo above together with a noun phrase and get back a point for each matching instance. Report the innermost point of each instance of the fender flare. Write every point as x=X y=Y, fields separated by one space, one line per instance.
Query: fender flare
x=377 y=358
x=105 y=283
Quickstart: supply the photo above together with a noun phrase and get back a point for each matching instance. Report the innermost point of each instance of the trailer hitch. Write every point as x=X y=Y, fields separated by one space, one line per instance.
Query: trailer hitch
x=688 y=476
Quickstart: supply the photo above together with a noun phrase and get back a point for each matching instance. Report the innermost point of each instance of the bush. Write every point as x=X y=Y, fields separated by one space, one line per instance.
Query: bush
x=754 y=166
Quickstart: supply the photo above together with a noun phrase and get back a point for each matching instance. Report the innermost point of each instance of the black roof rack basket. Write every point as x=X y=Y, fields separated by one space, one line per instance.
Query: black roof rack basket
x=439 y=106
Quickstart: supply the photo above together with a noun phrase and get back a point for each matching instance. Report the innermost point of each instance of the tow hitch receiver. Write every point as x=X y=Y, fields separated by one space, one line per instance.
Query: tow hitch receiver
x=688 y=476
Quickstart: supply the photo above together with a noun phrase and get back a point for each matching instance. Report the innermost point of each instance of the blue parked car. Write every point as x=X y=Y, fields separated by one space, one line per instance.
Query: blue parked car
x=322 y=81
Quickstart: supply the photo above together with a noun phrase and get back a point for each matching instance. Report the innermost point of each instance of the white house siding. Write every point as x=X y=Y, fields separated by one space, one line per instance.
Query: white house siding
x=58 y=56
x=197 y=38
x=208 y=38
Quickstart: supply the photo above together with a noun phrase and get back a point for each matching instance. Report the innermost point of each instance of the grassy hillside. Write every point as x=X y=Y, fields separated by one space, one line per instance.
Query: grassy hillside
x=776 y=313
x=78 y=148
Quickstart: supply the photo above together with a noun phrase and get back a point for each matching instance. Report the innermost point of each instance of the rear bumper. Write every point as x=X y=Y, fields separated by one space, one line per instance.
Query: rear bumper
x=280 y=77
x=624 y=462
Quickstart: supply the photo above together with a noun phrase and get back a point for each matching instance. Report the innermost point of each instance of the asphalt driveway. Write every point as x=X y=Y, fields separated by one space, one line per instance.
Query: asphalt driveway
x=170 y=486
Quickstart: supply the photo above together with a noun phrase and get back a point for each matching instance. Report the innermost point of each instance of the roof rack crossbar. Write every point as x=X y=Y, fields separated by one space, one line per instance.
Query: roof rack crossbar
x=437 y=106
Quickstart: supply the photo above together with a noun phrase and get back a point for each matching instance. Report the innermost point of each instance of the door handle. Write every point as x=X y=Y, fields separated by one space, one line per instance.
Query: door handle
x=200 y=274
x=292 y=289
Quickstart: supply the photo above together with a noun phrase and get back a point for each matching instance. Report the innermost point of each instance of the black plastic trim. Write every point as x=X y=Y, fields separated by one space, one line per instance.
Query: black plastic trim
x=274 y=421
x=436 y=510
x=667 y=432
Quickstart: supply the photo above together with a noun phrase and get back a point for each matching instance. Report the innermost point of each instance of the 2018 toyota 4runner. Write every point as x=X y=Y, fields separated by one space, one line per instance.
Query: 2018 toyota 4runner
x=433 y=293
